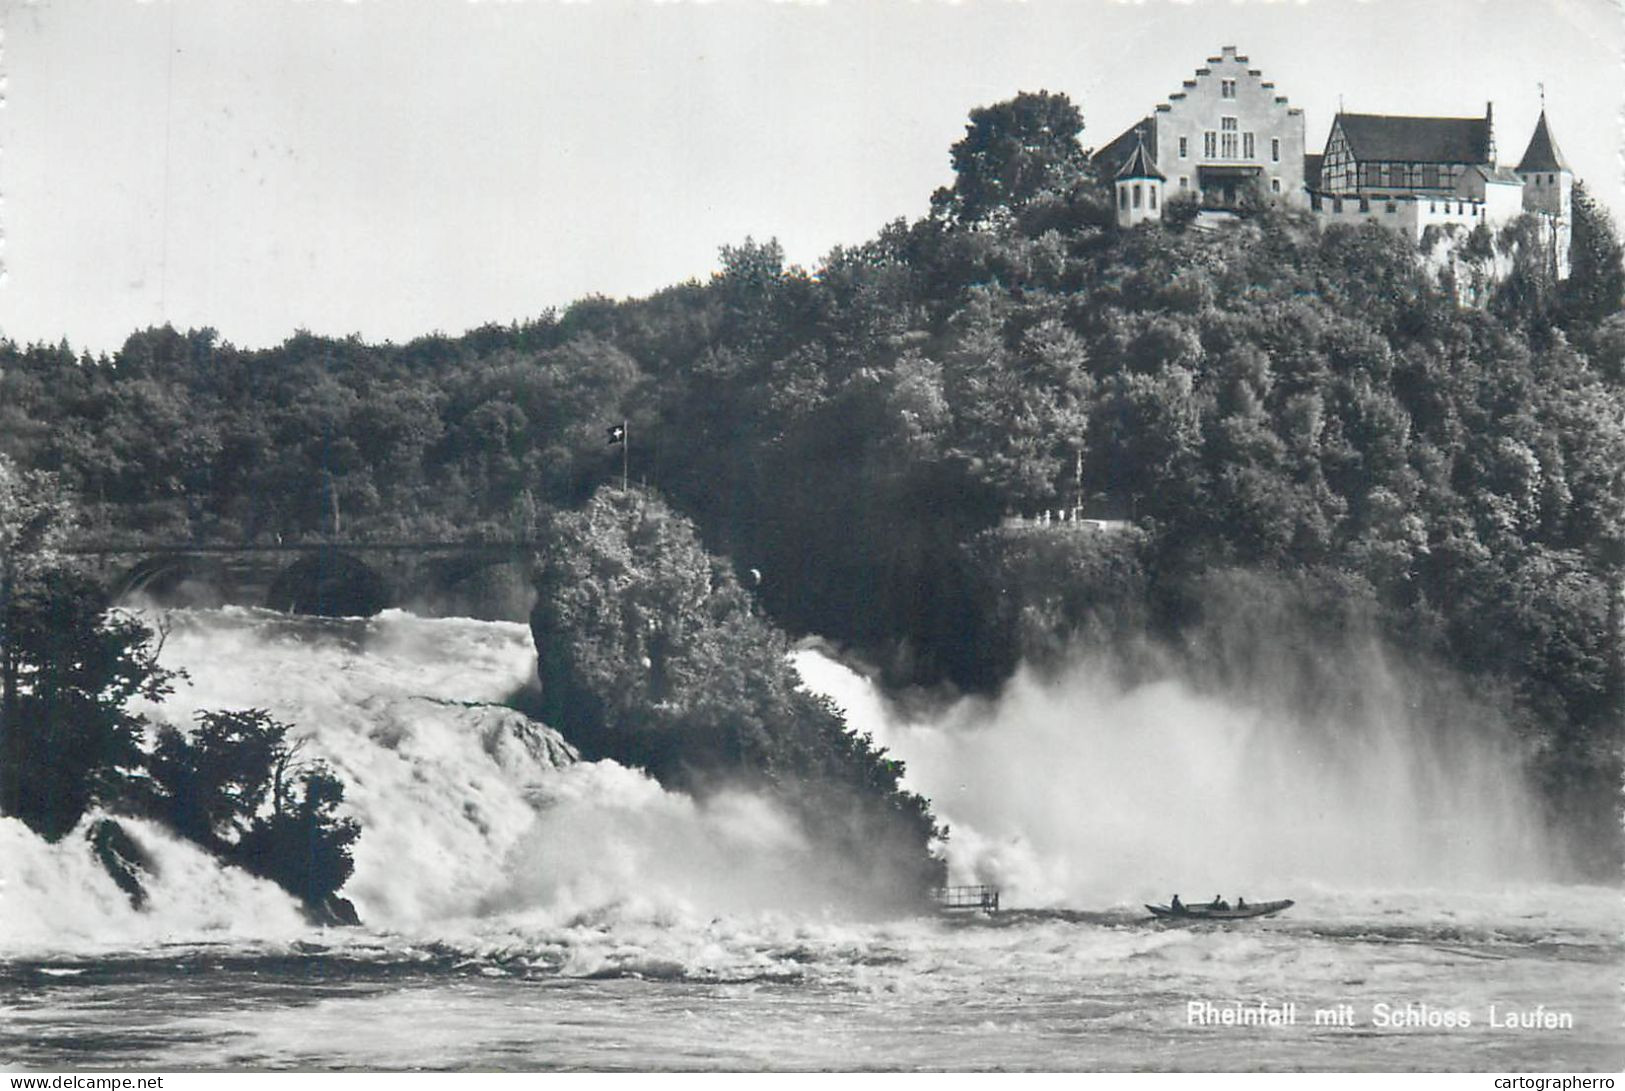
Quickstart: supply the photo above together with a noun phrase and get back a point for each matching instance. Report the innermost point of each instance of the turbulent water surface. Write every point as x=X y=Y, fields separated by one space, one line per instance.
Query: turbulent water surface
x=527 y=910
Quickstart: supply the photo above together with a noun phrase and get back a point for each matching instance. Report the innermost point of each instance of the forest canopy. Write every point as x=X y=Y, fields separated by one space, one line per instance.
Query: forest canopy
x=1280 y=396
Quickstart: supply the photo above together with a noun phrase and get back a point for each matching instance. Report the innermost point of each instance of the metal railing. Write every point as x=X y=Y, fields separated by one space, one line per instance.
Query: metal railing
x=982 y=897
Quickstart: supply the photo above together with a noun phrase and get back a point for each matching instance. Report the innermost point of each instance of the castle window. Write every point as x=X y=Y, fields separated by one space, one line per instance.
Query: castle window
x=1370 y=174
x=1136 y=195
x=1396 y=176
x=1430 y=175
x=1228 y=141
x=1247 y=151
x=1122 y=198
x=1392 y=207
x=1227 y=88
x=1210 y=144
x=1184 y=182
x=1151 y=197
x=1275 y=185
x=1275 y=150
x=1337 y=204
x=1365 y=204
x=1184 y=147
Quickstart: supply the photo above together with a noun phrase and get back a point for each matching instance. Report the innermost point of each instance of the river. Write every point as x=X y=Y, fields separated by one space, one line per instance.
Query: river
x=525 y=910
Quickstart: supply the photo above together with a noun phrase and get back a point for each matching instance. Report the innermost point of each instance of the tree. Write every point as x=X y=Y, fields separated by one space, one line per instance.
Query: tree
x=31 y=516
x=1607 y=348
x=72 y=668
x=1011 y=153
x=1528 y=297
x=237 y=787
x=1021 y=414
x=650 y=652
x=67 y=669
x=212 y=784
x=1596 y=285
x=303 y=845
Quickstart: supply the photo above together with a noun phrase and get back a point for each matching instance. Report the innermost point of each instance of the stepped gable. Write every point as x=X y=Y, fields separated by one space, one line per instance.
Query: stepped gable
x=1543 y=154
x=1385 y=138
x=1225 y=132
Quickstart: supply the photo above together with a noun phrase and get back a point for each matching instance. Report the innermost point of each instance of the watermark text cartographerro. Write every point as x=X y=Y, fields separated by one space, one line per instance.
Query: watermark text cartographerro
x=1406 y=1016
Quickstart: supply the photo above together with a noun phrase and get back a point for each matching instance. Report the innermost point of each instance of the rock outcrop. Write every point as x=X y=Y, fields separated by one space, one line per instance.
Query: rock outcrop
x=122 y=856
x=332 y=912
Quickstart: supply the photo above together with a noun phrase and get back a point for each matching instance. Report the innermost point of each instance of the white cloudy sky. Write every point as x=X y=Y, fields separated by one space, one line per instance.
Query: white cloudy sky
x=394 y=168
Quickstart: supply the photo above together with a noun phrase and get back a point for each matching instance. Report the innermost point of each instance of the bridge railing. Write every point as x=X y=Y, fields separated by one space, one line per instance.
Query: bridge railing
x=477 y=545
x=981 y=896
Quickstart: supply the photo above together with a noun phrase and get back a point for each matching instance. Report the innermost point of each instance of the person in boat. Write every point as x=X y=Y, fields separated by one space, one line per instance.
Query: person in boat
x=1241 y=903
x=1219 y=903
x=1176 y=905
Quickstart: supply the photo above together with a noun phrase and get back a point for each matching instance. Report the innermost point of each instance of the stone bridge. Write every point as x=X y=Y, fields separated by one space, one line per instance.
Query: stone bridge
x=485 y=579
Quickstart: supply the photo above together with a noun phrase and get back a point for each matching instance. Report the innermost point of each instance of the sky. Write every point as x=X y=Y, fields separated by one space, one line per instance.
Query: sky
x=393 y=169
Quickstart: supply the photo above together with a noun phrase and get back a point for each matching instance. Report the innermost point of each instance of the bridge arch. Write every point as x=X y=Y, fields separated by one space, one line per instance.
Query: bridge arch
x=177 y=580
x=490 y=586
x=330 y=583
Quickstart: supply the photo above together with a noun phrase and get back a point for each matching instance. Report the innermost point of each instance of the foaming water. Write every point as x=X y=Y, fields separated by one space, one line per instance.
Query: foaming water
x=1075 y=791
x=1025 y=990
x=471 y=812
x=408 y=711
x=526 y=910
x=57 y=897
x=610 y=838
x=1080 y=790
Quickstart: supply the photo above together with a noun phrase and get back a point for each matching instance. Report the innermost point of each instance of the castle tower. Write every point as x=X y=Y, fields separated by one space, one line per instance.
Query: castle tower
x=1139 y=188
x=1548 y=183
x=1548 y=188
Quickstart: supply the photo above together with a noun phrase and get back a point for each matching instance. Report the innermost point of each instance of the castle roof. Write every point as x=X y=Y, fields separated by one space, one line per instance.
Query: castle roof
x=1139 y=164
x=1543 y=154
x=1388 y=139
x=1503 y=175
x=1117 y=153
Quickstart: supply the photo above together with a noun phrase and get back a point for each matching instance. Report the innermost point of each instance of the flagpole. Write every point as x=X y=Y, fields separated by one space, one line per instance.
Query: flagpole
x=626 y=442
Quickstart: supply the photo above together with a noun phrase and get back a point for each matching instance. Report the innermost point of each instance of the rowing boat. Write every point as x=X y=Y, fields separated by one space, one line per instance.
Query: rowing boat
x=1209 y=913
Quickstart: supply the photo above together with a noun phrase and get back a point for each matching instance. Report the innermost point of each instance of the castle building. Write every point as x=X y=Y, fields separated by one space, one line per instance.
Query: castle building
x=1430 y=156
x=1226 y=130
x=1412 y=173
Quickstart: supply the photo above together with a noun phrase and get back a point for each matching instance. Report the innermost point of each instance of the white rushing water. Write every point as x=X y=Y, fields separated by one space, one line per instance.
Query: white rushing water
x=1079 y=790
x=524 y=909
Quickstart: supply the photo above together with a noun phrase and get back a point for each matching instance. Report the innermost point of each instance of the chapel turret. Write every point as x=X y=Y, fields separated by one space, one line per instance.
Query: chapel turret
x=1139 y=188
